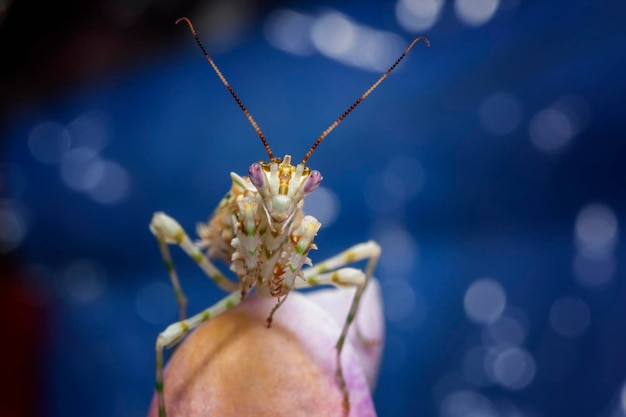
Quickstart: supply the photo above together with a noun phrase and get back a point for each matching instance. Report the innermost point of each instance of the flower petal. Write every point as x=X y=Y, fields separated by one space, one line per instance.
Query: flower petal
x=367 y=332
x=234 y=366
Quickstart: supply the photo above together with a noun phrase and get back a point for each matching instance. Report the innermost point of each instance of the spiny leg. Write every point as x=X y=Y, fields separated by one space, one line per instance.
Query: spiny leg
x=177 y=331
x=369 y=250
x=270 y=318
x=317 y=275
x=168 y=231
x=344 y=277
x=169 y=265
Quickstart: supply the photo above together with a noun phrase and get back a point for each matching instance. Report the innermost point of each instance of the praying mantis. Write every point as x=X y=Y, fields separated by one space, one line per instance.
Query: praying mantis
x=259 y=228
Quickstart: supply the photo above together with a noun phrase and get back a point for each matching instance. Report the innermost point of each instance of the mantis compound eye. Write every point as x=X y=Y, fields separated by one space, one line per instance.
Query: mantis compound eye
x=255 y=172
x=312 y=182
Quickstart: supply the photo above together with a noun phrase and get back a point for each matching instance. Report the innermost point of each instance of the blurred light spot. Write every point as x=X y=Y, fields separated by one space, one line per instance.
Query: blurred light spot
x=513 y=368
x=333 y=34
x=550 y=130
x=593 y=272
x=418 y=15
x=510 y=329
x=467 y=404
x=155 y=303
x=401 y=251
x=475 y=12
x=400 y=300
x=114 y=185
x=12 y=226
x=596 y=231
x=89 y=130
x=289 y=31
x=554 y=127
x=48 y=142
x=484 y=301
x=81 y=169
x=474 y=367
x=570 y=316
x=84 y=281
x=500 y=113
x=324 y=205
x=337 y=37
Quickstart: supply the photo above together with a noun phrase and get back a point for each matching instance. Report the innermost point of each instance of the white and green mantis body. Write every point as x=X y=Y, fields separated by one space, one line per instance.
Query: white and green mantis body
x=260 y=229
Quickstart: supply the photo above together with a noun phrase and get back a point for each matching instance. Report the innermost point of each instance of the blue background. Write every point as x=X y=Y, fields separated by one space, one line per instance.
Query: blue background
x=457 y=189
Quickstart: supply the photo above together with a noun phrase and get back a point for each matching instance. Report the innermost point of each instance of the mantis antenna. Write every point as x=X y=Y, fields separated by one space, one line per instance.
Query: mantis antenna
x=360 y=99
x=229 y=88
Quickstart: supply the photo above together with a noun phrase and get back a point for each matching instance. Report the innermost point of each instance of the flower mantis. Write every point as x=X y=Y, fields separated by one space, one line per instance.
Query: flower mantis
x=260 y=230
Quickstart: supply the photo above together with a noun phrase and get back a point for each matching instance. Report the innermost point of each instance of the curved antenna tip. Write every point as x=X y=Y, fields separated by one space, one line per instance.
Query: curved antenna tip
x=421 y=38
x=183 y=19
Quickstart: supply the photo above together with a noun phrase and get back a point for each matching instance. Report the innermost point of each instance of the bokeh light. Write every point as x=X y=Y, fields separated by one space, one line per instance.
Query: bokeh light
x=48 y=142
x=418 y=15
x=402 y=251
x=594 y=272
x=484 y=301
x=570 y=316
x=475 y=12
x=114 y=185
x=333 y=34
x=553 y=127
x=596 y=231
x=324 y=205
x=513 y=367
x=90 y=130
x=510 y=329
x=337 y=36
x=467 y=403
x=550 y=130
x=81 y=169
x=289 y=31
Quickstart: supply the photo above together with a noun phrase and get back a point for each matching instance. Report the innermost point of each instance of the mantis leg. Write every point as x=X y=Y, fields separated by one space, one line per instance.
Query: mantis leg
x=177 y=331
x=167 y=231
x=331 y=272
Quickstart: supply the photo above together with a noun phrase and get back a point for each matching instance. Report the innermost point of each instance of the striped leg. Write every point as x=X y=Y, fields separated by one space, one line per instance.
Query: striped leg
x=167 y=231
x=177 y=331
x=318 y=275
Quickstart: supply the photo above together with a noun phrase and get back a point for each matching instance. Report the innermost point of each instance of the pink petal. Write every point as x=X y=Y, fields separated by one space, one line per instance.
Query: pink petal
x=369 y=321
x=234 y=366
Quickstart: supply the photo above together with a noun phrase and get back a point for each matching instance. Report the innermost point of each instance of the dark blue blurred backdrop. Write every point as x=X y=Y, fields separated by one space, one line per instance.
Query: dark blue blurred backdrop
x=489 y=167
